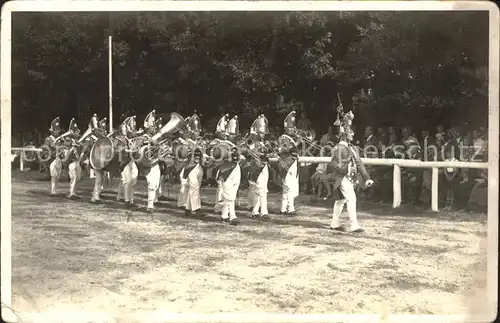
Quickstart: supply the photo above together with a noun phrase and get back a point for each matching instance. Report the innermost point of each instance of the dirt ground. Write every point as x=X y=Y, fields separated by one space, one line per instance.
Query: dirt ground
x=73 y=255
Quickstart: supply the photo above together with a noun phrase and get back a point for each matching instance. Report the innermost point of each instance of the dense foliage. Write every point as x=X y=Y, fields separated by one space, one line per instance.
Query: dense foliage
x=430 y=65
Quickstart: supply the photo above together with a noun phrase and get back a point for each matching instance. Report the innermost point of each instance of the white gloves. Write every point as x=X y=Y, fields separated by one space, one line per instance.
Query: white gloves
x=369 y=183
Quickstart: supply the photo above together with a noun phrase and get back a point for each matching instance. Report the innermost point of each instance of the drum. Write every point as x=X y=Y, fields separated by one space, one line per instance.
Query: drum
x=108 y=154
x=220 y=150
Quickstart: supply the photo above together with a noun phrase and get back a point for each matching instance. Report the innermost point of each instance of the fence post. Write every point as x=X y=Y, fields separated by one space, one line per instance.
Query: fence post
x=435 y=190
x=21 y=160
x=396 y=186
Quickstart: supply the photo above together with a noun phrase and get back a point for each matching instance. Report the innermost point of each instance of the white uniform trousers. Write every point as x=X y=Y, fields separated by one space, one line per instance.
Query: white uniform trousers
x=129 y=179
x=347 y=189
x=228 y=209
x=75 y=174
x=98 y=178
x=153 y=180
x=181 y=200
x=260 y=203
x=55 y=168
x=287 y=202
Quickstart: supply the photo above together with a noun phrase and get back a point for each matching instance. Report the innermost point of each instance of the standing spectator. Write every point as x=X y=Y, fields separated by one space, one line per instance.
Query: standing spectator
x=412 y=177
x=459 y=144
x=370 y=144
x=450 y=180
x=304 y=123
x=440 y=131
x=328 y=138
x=383 y=139
x=440 y=144
x=478 y=146
x=426 y=139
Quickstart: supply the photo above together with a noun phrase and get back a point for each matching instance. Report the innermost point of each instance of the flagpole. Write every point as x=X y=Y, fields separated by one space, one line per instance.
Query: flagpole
x=110 y=80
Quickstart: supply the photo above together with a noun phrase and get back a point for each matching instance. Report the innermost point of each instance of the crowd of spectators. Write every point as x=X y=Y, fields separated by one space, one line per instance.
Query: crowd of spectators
x=458 y=188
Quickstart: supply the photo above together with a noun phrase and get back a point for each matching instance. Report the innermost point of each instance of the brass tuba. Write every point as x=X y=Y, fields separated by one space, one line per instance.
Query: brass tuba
x=175 y=123
x=157 y=149
x=93 y=125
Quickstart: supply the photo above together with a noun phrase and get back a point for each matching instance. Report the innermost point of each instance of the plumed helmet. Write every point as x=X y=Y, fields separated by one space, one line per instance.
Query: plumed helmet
x=73 y=126
x=94 y=122
x=222 y=124
x=55 y=126
x=124 y=126
x=260 y=126
x=131 y=124
x=103 y=123
x=233 y=126
x=150 y=120
x=194 y=124
x=290 y=122
x=345 y=124
x=159 y=123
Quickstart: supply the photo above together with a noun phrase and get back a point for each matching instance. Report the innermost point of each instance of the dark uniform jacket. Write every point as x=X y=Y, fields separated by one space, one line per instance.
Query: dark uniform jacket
x=341 y=156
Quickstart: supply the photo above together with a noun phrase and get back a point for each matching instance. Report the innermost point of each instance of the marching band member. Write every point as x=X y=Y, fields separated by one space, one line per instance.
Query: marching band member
x=55 y=166
x=346 y=164
x=228 y=178
x=74 y=168
x=163 y=168
x=98 y=174
x=181 y=200
x=129 y=171
x=258 y=178
x=193 y=174
x=251 y=194
x=153 y=174
x=289 y=173
x=191 y=132
x=289 y=166
x=255 y=142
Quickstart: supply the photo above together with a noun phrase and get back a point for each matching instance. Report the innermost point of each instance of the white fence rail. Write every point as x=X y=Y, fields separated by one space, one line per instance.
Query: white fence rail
x=405 y=163
x=395 y=163
x=22 y=152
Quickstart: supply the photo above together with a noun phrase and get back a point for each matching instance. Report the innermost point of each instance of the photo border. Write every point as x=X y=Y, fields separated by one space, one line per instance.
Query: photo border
x=128 y=6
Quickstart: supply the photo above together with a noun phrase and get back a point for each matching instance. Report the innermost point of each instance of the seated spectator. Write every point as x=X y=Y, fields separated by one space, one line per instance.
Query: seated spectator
x=305 y=171
x=316 y=177
x=326 y=182
x=478 y=200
